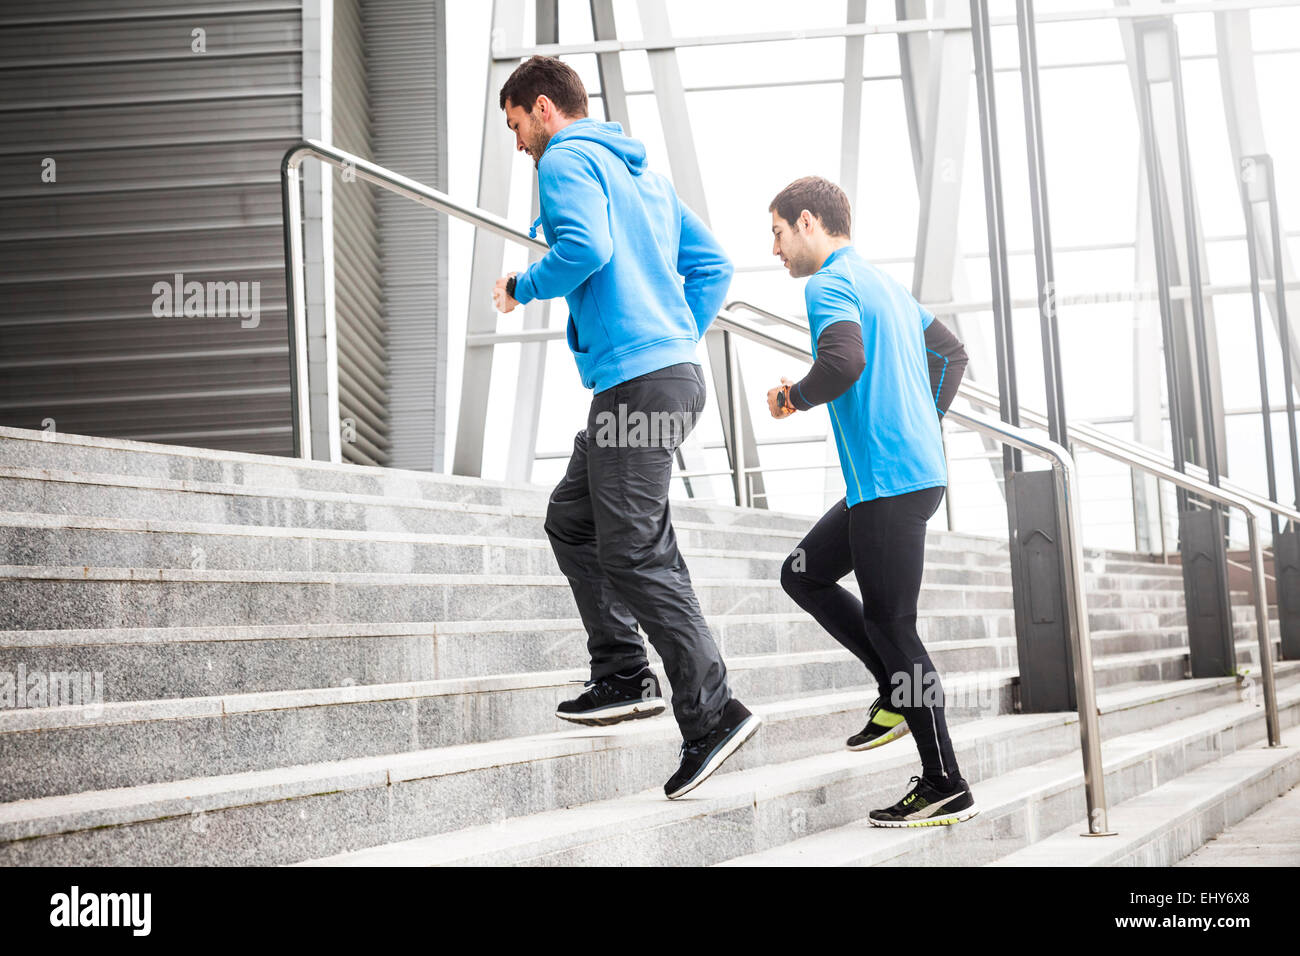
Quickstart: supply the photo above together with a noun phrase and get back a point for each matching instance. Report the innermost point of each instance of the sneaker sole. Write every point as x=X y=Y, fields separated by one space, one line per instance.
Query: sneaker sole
x=650 y=707
x=729 y=747
x=902 y=730
x=943 y=820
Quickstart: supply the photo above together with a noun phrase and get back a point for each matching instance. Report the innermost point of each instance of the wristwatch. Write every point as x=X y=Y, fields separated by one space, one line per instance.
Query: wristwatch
x=510 y=286
x=783 y=399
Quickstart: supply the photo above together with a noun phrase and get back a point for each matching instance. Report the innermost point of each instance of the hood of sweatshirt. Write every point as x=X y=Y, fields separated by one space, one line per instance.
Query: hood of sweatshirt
x=609 y=135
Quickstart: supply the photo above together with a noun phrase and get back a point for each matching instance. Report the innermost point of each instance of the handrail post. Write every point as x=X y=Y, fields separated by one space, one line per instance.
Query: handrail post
x=1065 y=479
x=1271 y=720
x=295 y=294
x=296 y=303
x=1094 y=775
x=739 y=478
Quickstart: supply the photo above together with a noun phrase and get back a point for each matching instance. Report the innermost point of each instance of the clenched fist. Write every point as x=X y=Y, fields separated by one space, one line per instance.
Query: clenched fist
x=778 y=400
x=502 y=301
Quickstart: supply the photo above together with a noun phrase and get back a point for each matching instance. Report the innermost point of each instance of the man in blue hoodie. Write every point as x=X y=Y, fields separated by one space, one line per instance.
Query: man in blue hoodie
x=643 y=278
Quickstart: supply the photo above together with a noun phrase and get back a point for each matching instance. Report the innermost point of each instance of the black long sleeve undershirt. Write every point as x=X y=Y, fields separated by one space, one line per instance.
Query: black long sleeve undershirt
x=948 y=360
x=841 y=359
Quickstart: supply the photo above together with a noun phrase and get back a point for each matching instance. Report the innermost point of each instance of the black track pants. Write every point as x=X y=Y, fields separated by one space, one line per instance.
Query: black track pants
x=883 y=542
x=612 y=534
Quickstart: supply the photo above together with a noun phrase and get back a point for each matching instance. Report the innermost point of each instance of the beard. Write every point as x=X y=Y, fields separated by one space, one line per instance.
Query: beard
x=537 y=144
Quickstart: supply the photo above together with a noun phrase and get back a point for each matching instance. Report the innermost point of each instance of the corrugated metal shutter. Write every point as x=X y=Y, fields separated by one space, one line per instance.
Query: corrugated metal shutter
x=167 y=162
x=406 y=65
x=358 y=271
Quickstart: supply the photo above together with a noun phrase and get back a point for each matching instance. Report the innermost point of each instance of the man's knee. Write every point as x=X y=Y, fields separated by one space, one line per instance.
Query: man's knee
x=627 y=554
x=794 y=575
x=567 y=522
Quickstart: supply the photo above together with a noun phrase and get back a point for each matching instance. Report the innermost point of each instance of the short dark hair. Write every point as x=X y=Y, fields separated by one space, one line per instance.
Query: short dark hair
x=549 y=77
x=819 y=196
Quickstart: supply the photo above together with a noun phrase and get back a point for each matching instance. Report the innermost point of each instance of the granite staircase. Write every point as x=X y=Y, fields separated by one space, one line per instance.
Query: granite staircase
x=296 y=662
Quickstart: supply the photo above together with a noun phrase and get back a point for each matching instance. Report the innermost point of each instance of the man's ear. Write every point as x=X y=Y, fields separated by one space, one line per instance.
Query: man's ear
x=805 y=219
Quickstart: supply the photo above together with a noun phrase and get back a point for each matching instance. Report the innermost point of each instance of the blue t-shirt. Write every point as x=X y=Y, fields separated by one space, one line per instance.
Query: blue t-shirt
x=886 y=425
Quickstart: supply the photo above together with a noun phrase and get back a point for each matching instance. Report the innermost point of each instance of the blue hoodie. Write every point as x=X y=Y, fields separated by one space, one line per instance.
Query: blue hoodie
x=621 y=243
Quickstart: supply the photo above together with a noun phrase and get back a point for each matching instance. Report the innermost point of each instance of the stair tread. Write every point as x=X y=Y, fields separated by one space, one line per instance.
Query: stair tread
x=860 y=842
x=1137 y=820
x=43 y=815
x=520 y=837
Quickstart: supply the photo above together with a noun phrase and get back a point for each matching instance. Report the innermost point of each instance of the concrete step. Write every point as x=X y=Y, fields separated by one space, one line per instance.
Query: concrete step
x=148 y=663
x=34 y=491
x=1021 y=807
x=1123 y=641
x=46 y=539
x=291 y=813
x=78 y=493
x=1106 y=562
x=164 y=663
x=764 y=806
x=156 y=740
x=1168 y=664
x=23 y=449
x=41 y=598
x=1165 y=824
x=1268 y=837
x=1099 y=599
x=137 y=742
x=300 y=812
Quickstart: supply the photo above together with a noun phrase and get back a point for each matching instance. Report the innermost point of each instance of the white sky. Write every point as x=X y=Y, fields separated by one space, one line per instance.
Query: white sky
x=751 y=143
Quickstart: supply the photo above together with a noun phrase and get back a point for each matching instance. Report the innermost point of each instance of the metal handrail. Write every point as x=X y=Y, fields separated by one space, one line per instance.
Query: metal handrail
x=785 y=320
x=1080 y=433
x=1063 y=468
x=1060 y=459
x=295 y=297
x=1122 y=450
x=1143 y=460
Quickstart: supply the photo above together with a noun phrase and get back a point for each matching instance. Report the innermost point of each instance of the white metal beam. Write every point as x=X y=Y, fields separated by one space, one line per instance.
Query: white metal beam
x=318 y=232
x=537 y=315
x=1246 y=138
x=489 y=249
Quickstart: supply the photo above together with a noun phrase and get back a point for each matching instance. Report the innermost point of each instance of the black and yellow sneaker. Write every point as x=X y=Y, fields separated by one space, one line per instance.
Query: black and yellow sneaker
x=613 y=699
x=928 y=804
x=882 y=727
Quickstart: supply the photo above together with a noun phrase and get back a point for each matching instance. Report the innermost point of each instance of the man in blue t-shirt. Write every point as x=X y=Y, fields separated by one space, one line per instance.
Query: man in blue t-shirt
x=886 y=371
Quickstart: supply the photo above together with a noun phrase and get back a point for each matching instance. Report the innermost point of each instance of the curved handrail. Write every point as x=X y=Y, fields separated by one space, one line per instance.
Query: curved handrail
x=295 y=297
x=785 y=320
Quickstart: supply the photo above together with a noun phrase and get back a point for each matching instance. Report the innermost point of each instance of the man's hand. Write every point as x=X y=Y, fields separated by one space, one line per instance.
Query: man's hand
x=501 y=300
x=778 y=400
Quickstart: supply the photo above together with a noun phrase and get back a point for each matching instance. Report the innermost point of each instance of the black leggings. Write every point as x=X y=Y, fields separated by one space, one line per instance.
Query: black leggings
x=883 y=542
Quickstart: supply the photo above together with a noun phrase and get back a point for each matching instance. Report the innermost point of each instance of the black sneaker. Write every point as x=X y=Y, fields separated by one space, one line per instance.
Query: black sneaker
x=615 y=698
x=927 y=805
x=701 y=757
x=882 y=727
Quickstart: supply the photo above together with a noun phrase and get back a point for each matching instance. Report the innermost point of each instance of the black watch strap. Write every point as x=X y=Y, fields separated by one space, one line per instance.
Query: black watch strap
x=510 y=286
